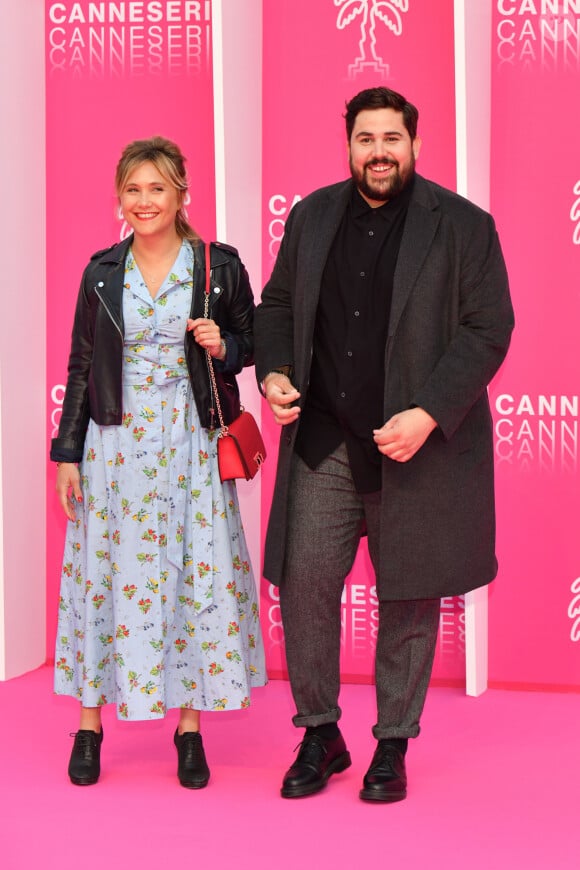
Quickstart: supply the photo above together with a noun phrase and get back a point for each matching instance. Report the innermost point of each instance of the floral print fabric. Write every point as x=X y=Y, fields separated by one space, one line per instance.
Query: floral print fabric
x=158 y=604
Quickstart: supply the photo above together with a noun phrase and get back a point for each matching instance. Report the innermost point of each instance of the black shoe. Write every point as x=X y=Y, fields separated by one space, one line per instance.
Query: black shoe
x=317 y=760
x=192 y=769
x=84 y=766
x=386 y=778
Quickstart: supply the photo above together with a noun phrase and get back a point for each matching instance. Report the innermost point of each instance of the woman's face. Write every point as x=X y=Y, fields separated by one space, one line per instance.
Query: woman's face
x=150 y=202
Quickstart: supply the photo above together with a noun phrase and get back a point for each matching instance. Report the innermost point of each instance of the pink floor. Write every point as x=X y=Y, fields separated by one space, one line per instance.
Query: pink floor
x=494 y=783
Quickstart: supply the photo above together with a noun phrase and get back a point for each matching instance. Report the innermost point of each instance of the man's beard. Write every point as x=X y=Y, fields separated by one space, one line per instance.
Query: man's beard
x=390 y=187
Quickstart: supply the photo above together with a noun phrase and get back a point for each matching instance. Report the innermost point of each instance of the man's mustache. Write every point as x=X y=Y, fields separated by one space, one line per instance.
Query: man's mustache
x=378 y=162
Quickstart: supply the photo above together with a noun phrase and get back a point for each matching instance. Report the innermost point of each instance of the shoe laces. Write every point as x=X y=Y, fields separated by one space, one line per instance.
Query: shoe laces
x=312 y=748
x=386 y=756
x=85 y=741
x=192 y=746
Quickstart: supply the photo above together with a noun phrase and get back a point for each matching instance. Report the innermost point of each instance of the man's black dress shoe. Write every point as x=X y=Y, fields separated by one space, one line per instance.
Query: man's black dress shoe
x=192 y=769
x=317 y=760
x=84 y=766
x=386 y=778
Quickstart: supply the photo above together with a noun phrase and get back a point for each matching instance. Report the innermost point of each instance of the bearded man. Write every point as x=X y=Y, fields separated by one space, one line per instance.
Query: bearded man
x=385 y=318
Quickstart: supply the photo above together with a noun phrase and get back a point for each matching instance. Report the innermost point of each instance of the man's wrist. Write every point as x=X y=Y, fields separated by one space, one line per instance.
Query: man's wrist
x=282 y=370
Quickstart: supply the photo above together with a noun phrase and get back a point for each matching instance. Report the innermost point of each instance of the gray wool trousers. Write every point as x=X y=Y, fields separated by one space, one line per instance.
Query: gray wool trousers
x=327 y=518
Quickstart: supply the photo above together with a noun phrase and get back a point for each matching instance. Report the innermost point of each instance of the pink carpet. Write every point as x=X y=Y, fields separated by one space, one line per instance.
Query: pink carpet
x=494 y=783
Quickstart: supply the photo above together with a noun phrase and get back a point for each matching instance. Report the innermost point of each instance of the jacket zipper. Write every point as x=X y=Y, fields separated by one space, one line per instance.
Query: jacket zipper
x=106 y=307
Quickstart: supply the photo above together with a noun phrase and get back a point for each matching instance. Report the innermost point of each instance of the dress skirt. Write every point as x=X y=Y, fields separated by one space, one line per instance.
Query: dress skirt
x=158 y=604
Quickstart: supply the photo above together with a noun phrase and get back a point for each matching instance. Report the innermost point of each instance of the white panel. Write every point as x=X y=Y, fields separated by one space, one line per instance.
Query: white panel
x=22 y=339
x=237 y=57
x=473 y=117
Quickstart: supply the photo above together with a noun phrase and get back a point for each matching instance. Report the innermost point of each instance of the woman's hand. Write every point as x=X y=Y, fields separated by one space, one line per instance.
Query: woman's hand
x=68 y=487
x=207 y=334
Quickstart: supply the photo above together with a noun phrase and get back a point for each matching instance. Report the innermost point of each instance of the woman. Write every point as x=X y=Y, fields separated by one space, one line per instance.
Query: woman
x=158 y=604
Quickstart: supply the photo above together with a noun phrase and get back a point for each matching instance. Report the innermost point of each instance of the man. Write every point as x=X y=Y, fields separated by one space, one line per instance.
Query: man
x=385 y=318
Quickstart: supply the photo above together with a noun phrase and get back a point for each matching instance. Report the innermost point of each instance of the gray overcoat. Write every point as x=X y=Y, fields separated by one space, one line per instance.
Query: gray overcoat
x=449 y=330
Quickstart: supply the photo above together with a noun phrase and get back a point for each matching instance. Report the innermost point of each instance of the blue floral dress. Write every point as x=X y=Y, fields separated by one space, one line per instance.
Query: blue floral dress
x=158 y=605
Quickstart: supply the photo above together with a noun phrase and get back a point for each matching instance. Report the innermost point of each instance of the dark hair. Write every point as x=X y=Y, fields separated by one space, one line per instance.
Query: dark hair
x=381 y=98
x=168 y=159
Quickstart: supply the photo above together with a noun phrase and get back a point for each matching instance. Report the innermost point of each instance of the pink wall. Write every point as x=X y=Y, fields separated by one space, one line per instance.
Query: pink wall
x=313 y=60
x=304 y=148
x=535 y=163
x=109 y=82
x=22 y=340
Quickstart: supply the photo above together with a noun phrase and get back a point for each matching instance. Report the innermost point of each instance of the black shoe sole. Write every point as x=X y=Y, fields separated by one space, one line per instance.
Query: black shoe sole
x=76 y=781
x=194 y=784
x=337 y=766
x=382 y=797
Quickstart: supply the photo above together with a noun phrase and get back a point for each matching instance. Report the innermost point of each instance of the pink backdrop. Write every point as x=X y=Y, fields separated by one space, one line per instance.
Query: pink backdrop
x=115 y=80
x=535 y=197
x=317 y=56
x=142 y=71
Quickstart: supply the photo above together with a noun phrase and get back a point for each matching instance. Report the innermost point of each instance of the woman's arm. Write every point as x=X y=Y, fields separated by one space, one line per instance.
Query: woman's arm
x=68 y=444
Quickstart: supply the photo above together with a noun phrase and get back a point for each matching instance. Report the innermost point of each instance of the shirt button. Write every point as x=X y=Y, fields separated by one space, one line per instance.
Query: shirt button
x=371 y=233
x=362 y=274
x=357 y=313
x=343 y=395
x=349 y=353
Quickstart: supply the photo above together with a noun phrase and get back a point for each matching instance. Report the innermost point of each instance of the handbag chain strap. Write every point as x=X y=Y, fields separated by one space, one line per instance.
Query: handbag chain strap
x=224 y=428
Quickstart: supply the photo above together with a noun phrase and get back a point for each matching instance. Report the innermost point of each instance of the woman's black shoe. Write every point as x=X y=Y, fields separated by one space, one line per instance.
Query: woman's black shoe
x=192 y=769
x=85 y=761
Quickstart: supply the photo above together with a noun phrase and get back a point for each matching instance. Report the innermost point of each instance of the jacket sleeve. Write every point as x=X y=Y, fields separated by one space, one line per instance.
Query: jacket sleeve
x=74 y=420
x=237 y=327
x=479 y=343
x=274 y=319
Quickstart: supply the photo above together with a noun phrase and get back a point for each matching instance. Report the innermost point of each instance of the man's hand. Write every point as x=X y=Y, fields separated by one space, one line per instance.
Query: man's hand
x=404 y=434
x=68 y=487
x=280 y=394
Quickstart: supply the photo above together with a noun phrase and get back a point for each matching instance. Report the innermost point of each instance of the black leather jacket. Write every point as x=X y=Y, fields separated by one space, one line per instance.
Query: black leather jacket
x=94 y=385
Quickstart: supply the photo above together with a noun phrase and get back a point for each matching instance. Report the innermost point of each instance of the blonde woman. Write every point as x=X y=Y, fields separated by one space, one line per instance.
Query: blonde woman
x=158 y=601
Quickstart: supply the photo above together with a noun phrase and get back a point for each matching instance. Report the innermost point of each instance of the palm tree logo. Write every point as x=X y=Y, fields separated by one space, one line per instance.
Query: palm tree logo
x=388 y=12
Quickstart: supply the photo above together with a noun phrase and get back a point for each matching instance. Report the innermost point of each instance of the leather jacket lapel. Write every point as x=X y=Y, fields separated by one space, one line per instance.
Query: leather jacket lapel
x=107 y=276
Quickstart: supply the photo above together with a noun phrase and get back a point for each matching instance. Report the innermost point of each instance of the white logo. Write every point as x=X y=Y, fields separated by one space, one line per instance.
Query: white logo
x=575 y=214
x=278 y=206
x=574 y=611
x=370 y=12
x=537 y=431
x=539 y=32
x=451 y=637
x=57 y=398
x=137 y=39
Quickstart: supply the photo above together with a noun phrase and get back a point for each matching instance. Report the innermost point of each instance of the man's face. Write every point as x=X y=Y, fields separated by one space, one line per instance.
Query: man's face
x=381 y=154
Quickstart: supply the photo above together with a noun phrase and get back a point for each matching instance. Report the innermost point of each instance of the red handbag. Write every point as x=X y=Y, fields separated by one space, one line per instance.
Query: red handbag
x=240 y=448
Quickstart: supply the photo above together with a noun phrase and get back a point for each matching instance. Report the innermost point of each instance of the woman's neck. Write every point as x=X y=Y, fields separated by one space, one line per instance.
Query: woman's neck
x=151 y=248
x=155 y=257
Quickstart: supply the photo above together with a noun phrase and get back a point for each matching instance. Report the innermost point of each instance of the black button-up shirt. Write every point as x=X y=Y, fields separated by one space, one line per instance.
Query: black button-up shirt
x=345 y=394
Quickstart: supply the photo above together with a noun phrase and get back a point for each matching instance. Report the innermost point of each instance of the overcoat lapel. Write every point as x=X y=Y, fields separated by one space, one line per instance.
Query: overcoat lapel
x=420 y=227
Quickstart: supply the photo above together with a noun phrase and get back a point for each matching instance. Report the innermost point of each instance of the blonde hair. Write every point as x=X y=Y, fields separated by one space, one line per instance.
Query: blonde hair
x=169 y=161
